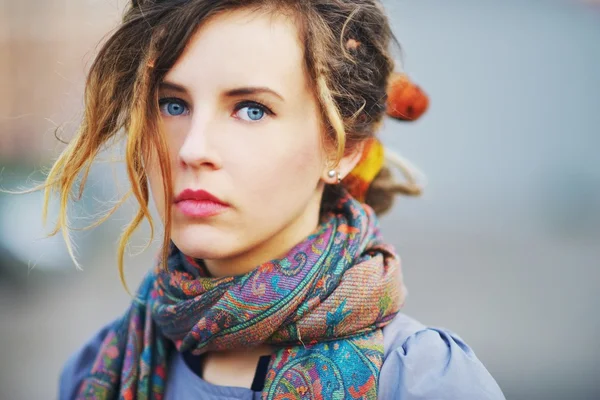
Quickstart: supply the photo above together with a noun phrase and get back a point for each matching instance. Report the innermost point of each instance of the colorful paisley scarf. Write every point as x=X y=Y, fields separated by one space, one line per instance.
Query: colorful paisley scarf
x=322 y=306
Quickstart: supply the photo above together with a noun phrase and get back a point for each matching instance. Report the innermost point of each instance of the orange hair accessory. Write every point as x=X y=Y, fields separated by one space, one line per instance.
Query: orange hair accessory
x=406 y=102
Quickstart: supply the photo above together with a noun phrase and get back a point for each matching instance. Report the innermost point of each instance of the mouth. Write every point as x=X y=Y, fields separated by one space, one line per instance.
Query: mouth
x=199 y=204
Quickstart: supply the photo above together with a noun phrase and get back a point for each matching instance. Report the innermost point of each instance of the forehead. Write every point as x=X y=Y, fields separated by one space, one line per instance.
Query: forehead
x=243 y=48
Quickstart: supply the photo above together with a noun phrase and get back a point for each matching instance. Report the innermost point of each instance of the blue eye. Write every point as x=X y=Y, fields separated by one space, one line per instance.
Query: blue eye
x=251 y=112
x=172 y=107
x=254 y=113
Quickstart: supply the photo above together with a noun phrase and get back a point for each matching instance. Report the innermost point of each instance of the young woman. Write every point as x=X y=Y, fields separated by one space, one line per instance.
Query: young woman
x=252 y=124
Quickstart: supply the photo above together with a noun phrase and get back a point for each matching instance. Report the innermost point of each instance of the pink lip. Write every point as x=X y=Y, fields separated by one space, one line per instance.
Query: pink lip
x=199 y=204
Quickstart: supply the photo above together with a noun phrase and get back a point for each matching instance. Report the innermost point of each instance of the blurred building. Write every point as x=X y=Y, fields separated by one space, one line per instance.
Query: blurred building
x=45 y=47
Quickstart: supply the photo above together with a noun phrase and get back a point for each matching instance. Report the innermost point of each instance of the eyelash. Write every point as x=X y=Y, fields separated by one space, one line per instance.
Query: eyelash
x=245 y=103
x=166 y=100
x=250 y=103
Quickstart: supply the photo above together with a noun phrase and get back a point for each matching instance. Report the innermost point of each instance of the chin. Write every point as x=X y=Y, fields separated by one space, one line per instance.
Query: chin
x=204 y=241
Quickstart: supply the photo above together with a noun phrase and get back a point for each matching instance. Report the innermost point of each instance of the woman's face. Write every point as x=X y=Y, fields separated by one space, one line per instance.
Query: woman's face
x=241 y=123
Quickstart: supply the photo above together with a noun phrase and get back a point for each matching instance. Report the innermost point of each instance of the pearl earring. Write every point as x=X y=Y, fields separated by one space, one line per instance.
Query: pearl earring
x=332 y=174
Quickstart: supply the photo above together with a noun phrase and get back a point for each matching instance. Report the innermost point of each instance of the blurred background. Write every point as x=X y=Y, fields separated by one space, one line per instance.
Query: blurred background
x=504 y=247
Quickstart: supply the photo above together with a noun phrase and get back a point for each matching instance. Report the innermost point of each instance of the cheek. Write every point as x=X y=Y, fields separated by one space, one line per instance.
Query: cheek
x=303 y=162
x=283 y=168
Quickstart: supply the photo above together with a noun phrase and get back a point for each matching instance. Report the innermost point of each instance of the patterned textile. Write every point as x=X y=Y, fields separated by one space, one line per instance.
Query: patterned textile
x=322 y=306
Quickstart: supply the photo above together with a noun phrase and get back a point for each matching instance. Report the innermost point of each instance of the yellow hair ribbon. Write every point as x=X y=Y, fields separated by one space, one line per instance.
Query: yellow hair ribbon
x=359 y=179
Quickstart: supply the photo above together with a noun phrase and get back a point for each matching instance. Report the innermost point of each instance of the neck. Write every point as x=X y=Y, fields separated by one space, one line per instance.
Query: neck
x=275 y=247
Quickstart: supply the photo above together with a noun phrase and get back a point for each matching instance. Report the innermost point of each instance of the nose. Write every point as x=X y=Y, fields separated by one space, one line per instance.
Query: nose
x=197 y=150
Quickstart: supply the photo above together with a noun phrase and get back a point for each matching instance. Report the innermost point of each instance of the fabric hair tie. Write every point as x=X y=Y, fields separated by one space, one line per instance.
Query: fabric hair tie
x=406 y=102
x=359 y=179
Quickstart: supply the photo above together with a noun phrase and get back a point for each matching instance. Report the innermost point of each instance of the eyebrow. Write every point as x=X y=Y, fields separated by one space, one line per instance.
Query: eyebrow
x=237 y=92
x=166 y=85
x=245 y=91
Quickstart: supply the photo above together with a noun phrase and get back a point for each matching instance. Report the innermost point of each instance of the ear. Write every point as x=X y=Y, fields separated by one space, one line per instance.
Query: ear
x=345 y=166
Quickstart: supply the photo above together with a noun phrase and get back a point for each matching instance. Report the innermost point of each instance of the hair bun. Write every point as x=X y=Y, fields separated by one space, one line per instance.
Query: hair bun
x=406 y=101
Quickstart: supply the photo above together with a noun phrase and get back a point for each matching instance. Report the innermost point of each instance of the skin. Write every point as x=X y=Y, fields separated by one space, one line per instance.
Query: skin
x=262 y=152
